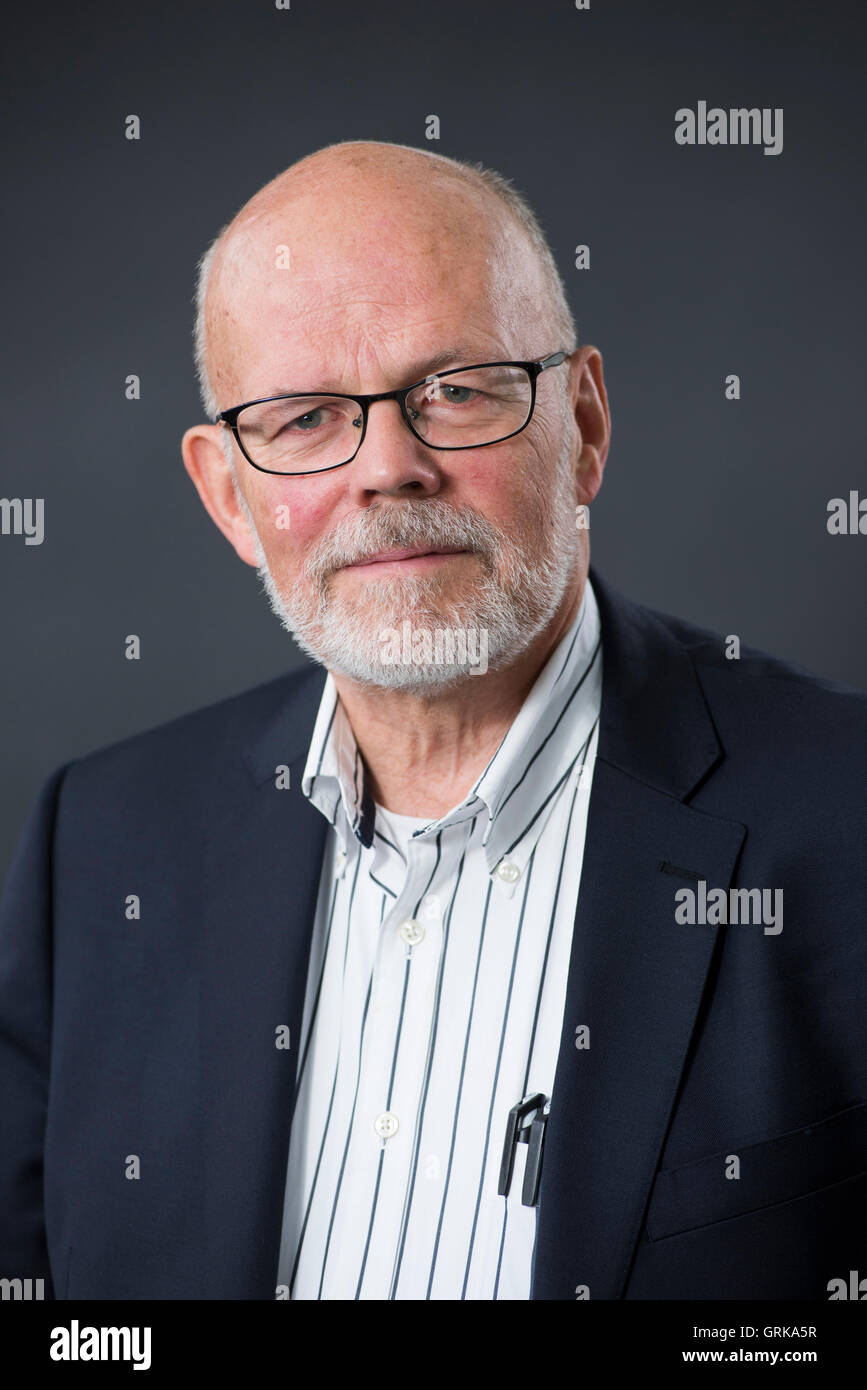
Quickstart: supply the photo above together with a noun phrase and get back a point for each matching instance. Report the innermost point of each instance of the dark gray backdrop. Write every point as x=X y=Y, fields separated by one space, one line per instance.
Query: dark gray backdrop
x=705 y=261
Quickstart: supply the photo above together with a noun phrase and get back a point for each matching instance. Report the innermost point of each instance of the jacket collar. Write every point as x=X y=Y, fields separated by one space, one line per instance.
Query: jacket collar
x=655 y=725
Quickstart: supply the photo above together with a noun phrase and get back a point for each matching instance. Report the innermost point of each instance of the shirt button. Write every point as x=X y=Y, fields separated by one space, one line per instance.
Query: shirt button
x=386 y=1124
x=340 y=863
x=411 y=931
x=508 y=871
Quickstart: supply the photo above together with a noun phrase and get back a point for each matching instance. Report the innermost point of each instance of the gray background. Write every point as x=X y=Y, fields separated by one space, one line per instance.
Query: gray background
x=704 y=262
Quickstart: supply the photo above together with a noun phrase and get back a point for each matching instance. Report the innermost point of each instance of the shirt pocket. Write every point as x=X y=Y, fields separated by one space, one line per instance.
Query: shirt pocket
x=776 y=1170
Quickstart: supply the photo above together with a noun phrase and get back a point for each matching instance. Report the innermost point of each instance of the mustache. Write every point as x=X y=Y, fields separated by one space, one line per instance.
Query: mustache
x=403 y=525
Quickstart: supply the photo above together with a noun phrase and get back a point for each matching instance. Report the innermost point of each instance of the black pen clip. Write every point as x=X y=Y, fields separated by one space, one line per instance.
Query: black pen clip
x=533 y=1135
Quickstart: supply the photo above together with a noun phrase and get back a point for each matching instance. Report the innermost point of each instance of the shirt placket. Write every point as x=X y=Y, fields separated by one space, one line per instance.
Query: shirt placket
x=395 y=1047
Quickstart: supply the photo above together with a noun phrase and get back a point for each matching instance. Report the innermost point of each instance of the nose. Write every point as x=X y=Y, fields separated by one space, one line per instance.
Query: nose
x=391 y=460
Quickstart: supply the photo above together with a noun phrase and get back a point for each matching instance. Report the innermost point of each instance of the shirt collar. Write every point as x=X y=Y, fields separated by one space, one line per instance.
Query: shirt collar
x=516 y=791
x=546 y=743
x=334 y=772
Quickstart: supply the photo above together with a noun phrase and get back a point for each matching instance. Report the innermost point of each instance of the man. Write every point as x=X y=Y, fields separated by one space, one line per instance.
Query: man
x=274 y=978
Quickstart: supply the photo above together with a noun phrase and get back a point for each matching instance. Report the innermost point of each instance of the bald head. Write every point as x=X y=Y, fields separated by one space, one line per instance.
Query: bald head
x=343 y=254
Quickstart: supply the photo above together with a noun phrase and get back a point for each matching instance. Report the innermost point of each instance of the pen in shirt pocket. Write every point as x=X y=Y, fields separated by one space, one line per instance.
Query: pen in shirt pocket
x=533 y=1135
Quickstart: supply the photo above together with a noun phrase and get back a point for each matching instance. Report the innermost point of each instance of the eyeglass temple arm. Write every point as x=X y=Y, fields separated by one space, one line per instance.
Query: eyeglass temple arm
x=553 y=361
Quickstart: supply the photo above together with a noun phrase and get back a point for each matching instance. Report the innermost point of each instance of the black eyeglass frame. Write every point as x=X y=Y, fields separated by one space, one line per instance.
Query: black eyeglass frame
x=533 y=369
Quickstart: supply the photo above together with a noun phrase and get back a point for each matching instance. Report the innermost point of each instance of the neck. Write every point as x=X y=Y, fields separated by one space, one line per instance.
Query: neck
x=423 y=752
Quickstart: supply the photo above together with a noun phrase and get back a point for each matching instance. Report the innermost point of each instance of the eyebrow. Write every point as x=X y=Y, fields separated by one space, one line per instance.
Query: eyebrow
x=454 y=357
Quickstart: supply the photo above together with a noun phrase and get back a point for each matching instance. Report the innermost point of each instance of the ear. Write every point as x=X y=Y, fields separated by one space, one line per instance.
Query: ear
x=593 y=418
x=209 y=469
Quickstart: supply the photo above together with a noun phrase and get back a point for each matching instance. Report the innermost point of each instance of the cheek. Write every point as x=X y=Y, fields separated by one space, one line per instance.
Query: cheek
x=290 y=517
x=508 y=491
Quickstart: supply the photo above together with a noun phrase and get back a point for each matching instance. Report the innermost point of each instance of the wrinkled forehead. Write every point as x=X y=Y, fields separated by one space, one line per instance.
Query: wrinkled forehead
x=316 y=279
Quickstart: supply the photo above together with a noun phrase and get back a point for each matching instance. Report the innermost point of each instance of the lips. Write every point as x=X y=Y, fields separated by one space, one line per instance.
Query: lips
x=385 y=556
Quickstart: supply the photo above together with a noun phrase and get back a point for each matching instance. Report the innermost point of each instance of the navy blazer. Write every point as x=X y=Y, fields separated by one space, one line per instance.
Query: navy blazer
x=155 y=1037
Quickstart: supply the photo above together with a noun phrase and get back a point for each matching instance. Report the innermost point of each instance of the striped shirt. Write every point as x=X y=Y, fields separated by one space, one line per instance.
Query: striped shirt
x=434 y=1003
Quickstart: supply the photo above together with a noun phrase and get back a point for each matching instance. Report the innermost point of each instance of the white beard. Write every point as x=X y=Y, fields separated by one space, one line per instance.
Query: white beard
x=515 y=597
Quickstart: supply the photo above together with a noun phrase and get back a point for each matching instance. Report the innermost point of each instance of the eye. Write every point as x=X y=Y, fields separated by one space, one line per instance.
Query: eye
x=449 y=392
x=310 y=420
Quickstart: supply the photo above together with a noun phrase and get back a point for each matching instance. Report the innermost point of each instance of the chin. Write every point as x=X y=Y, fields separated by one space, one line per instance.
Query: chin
x=387 y=602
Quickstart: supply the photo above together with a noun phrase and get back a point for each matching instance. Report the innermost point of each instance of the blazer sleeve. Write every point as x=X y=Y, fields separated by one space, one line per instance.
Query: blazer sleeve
x=25 y=1042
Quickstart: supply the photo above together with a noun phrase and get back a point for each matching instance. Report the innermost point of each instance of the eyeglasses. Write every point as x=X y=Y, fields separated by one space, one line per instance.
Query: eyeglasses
x=462 y=409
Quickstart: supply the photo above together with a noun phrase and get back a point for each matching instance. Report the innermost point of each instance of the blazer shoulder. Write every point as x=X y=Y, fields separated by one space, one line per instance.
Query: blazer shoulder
x=775 y=712
x=734 y=673
x=714 y=652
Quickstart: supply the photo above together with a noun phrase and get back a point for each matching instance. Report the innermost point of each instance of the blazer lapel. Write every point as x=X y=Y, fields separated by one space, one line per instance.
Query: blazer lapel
x=262 y=874
x=636 y=977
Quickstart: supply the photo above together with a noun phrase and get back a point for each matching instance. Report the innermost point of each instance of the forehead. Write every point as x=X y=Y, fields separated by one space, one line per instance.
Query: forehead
x=317 y=294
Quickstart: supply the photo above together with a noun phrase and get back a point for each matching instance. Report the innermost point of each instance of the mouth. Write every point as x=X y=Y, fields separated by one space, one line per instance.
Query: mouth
x=421 y=557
